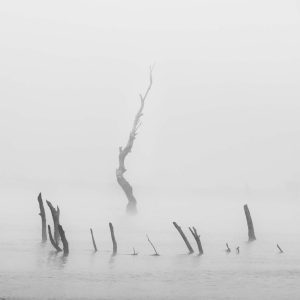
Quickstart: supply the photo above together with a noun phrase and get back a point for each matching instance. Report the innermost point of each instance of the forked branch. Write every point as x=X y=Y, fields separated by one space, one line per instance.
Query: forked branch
x=123 y=152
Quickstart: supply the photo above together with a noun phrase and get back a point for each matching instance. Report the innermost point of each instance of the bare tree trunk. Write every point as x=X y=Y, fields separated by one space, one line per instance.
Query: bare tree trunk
x=197 y=238
x=184 y=237
x=52 y=240
x=251 y=233
x=112 y=233
x=43 y=217
x=125 y=185
x=94 y=243
x=63 y=240
x=156 y=253
x=55 y=216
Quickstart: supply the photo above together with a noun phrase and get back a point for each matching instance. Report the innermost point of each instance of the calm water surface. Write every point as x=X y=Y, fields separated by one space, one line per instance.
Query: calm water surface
x=31 y=270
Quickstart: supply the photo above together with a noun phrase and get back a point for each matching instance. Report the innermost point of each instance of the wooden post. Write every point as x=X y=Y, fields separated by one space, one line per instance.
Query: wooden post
x=43 y=217
x=112 y=233
x=251 y=234
x=184 y=237
x=63 y=240
x=197 y=238
x=94 y=243
x=55 y=216
x=156 y=253
x=52 y=240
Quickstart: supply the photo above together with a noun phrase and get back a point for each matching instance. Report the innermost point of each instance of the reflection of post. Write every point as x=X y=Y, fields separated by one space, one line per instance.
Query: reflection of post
x=94 y=243
x=112 y=233
x=63 y=240
x=43 y=217
x=184 y=237
x=251 y=233
x=197 y=238
x=156 y=253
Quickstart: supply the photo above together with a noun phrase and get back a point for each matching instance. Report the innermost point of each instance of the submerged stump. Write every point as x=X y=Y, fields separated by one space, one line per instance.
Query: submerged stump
x=63 y=240
x=186 y=241
x=43 y=217
x=55 y=216
x=251 y=234
x=94 y=243
x=58 y=249
x=114 y=242
x=156 y=253
x=197 y=238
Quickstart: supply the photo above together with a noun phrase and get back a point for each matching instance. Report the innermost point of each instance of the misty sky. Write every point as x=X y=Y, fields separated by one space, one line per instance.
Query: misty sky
x=223 y=111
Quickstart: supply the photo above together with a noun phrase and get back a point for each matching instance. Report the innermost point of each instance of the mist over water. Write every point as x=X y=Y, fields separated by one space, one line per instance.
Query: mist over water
x=220 y=129
x=33 y=270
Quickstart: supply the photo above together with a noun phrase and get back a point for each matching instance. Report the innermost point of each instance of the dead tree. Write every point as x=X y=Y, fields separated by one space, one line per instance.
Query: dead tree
x=114 y=242
x=55 y=216
x=184 y=237
x=251 y=233
x=156 y=253
x=94 y=243
x=58 y=249
x=63 y=240
x=281 y=251
x=43 y=217
x=125 y=185
x=197 y=239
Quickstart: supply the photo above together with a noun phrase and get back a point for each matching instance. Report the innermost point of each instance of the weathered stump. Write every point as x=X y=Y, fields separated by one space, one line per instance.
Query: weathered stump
x=114 y=242
x=55 y=216
x=197 y=238
x=94 y=243
x=251 y=234
x=184 y=237
x=43 y=217
x=52 y=240
x=63 y=240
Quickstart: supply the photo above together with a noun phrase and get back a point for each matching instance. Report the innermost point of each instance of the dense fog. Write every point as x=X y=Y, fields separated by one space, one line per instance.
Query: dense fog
x=223 y=112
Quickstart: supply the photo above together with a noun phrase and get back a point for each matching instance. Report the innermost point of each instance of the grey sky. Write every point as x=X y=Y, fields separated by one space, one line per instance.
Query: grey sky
x=223 y=111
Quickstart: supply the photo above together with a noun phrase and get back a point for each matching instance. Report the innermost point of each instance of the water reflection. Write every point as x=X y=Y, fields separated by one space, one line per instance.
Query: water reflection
x=57 y=260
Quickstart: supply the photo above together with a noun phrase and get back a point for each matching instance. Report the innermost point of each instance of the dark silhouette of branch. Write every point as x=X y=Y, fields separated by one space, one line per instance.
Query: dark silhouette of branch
x=52 y=240
x=156 y=253
x=43 y=217
x=184 y=237
x=123 y=152
x=94 y=243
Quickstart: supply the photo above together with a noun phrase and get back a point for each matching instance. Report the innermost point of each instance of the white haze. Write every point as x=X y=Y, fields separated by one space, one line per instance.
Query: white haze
x=223 y=111
x=220 y=128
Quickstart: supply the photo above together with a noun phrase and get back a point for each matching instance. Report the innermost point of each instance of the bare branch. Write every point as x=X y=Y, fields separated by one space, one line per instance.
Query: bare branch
x=123 y=152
